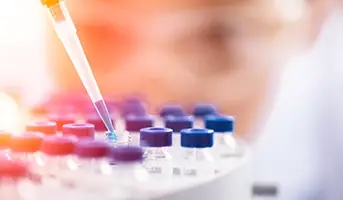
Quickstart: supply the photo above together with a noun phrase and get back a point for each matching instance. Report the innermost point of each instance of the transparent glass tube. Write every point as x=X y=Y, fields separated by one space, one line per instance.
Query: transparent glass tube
x=158 y=162
x=197 y=162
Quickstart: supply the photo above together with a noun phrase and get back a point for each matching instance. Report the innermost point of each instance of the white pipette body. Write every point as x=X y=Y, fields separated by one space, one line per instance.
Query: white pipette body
x=66 y=32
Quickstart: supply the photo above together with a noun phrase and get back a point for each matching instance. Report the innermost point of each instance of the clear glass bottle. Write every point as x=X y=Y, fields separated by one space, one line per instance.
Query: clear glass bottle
x=15 y=181
x=197 y=160
x=129 y=178
x=91 y=168
x=26 y=148
x=133 y=124
x=225 y=145
x=55 y=164
x=158 y=161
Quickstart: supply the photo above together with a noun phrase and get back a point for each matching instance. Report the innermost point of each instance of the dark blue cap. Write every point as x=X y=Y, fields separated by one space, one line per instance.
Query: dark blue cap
x=202 y=110
x=61 y=119
x=79 y=130
x=91 y=149
x=47 y=128
x=156 y=137
x=137 y=122
x=177 y=123
x=5 y=138
x=57 y=145
x=171 y=110
x=220 y=123
x=26 y=143
x=126 y=154
x=196 y=138
x=12 y=168
x=96 y=120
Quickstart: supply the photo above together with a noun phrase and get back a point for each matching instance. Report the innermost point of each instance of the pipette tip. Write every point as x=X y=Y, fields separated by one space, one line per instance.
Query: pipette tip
x=111 y=136
x=101 y=108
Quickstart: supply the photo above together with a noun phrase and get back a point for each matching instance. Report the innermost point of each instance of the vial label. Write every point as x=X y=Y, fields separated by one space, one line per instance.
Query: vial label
x=154 y=170
x=190 y=172
x=227 y=155
x=176 y=171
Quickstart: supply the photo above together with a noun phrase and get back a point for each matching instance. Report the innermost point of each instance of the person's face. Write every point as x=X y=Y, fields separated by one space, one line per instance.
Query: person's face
x=186 y=51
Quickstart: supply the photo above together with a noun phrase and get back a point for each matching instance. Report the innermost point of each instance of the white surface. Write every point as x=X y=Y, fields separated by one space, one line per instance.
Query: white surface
x=300 y=137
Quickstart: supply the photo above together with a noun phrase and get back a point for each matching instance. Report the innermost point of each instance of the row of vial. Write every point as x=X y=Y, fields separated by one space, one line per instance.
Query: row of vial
x=90 y=167
x=135 y=117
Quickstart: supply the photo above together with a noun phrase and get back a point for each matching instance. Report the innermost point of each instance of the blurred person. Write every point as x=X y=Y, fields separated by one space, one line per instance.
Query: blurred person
x=225 y=52
x=230 y=53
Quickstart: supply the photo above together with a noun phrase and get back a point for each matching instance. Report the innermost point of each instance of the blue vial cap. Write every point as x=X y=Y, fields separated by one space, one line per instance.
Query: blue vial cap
x=171 y=110
x=177 y=123
x=12 y=168
x=79 y=130
x=126 y=154
x=197 y=138
x=136 y=122
x=47 y=128
x=91 y=149
x=96 y=120
x=220 y=124
x=57 y=145
x=202 y=110
x=61 y=119
x=5 y=138
x=156 y=137
x=26 y=143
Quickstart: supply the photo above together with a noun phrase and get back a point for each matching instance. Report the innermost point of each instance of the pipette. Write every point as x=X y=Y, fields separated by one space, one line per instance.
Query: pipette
x=66 y=32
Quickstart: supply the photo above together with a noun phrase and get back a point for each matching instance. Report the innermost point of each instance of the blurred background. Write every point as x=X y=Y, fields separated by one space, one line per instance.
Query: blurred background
x=277 y=67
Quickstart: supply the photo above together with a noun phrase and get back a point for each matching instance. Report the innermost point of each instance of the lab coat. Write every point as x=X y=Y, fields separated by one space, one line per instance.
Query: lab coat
x=301 y=148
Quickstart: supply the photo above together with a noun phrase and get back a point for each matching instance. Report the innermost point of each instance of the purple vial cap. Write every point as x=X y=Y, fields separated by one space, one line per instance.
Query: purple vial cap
x=126 y=154
x=79 y=130
x=91 y=149
x=171 y=110
x=58 y=145
x=95 y=120
x=47 y=128
x=133 y=108
x=136 y=122
x=177 y=123
x=26 y=143
x=61 y=119
x=5 y=138
x=204 y=109
x=12 y=168
x=156 y=137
